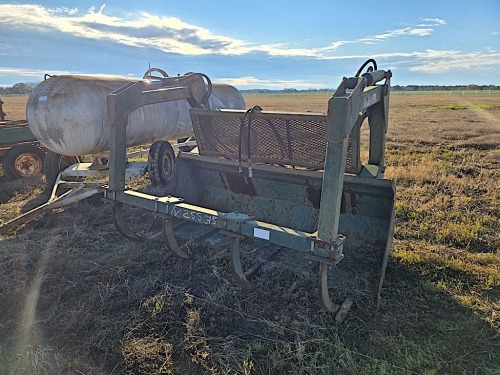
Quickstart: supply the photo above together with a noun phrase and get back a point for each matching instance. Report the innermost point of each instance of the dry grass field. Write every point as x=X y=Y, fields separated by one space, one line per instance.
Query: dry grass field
x=14 y=107
x=78 y=298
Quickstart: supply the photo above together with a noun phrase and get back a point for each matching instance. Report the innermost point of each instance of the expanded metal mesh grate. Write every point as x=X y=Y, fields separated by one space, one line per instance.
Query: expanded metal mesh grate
x=288 y=139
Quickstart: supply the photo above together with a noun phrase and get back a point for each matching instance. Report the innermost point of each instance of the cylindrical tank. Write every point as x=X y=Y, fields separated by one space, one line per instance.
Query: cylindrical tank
x=68 y=114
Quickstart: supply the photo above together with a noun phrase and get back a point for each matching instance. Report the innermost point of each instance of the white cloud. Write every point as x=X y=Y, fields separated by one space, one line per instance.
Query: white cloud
x=63 y=11
x=248 y=82
x=171 y=34
x=432 y=61
x=435 y=61
x=411 y=31
x=37 y=74
x=29 y=73
x=440 y=61
x=428 y=22
x=168 y=34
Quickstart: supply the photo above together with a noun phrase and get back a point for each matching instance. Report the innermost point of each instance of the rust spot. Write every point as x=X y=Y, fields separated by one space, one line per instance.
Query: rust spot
x=314 y=196
x=238 y=183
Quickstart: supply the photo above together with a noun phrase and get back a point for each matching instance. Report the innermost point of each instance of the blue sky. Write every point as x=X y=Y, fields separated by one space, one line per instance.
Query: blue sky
x=254 y=43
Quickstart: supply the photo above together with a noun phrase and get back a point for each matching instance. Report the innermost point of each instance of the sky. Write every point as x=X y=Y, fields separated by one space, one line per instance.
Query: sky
x=254 y=44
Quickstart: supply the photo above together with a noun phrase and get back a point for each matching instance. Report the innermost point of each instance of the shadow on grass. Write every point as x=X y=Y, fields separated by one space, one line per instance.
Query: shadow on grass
x=20 y=189
x=79 y=297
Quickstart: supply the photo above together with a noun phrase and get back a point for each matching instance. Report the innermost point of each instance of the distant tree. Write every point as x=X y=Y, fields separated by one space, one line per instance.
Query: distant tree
x=472 y=87
x=19 y=89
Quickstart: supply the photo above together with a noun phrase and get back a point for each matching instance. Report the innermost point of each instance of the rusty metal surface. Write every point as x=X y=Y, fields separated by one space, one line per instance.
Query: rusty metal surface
x=12 y=132
x=68 y=114
x=279 y=195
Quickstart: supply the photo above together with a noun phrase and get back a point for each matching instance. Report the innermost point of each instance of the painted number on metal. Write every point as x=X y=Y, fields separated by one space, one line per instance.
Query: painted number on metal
x=48 y=90
x=198 y=217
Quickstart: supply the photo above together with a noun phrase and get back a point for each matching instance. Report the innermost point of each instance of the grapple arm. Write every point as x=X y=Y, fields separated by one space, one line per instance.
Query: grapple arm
x=193 y=87
x=354 y=99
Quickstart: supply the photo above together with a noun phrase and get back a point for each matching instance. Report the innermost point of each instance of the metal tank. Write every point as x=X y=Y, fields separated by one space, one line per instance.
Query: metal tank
x=68 y=114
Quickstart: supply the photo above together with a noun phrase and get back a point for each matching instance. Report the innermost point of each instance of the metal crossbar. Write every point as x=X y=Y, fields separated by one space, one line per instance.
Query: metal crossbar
x=297 y=140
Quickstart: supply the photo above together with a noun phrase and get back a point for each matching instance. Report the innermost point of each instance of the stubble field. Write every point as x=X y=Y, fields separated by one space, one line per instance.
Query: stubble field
x=78 y=298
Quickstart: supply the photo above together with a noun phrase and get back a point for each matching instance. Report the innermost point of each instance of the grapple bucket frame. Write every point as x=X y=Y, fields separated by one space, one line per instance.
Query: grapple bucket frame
x=234 y=171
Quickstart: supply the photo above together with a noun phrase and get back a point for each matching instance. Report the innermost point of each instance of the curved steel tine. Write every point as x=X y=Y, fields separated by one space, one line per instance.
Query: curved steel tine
x=122 y=225
x=324 y=296
x=172 y=244
x=156 y=227
x=236 y=269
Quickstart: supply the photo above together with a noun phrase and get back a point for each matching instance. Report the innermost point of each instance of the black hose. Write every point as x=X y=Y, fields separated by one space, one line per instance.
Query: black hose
x=242 y=127
x=204 y=102
x=254 y=108
x=248 y=114
x=278 y=139
x=372 y=61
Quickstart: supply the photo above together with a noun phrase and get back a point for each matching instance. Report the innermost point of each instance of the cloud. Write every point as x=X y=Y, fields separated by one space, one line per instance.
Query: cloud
x=432 y=61
x=407 y=31
x=173 y=35
x=37 y=74
x=439 y=61
x=63 y=11
x=250 y=82
x=435 y=61
x=284 y=50
x=168 y=34
x=429 y=22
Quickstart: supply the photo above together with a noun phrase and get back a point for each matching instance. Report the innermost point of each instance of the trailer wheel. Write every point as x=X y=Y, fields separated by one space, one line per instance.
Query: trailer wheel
x=161 y=165
x=55 y=163
x=23 y=161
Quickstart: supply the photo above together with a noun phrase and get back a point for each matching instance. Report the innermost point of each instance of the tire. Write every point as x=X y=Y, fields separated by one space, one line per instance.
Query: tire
x=23 y=161
x=161 y=165
x=55 y=163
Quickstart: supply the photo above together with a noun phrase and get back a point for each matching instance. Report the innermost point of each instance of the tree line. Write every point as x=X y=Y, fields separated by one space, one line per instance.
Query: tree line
x=444 y=88
x=18 y=89
x=394 y=88
x=27 y=87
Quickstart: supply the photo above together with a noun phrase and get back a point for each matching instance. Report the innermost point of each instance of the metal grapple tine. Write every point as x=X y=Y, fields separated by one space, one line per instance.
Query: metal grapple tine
x=324 y=296
x=156 y=227
x=172 y=243
x=122 y=225
x=236 y=269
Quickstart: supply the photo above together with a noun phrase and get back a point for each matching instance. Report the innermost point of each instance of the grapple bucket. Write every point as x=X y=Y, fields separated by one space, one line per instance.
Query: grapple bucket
x=287 y=156
x=295 y=180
